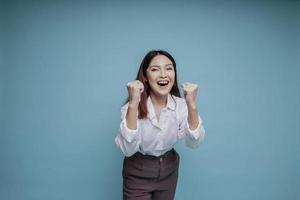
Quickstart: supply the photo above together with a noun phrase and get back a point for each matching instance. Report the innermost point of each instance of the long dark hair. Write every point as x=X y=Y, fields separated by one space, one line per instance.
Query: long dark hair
x=141 y=76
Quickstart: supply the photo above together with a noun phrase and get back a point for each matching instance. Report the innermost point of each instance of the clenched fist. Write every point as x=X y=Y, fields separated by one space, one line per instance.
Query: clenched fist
x=135 y=88
x=190 y=93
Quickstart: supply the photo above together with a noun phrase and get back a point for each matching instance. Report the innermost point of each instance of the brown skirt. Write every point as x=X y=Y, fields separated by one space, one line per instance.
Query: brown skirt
x=149 y=177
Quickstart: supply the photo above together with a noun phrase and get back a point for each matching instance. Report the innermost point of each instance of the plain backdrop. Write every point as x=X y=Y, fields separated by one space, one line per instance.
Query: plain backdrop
x=64 y=69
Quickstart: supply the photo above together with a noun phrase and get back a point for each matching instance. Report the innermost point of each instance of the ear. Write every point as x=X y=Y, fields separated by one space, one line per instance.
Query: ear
x=145 y=79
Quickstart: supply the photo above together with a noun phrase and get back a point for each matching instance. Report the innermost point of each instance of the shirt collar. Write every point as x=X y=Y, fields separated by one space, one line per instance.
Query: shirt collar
x=171 y=104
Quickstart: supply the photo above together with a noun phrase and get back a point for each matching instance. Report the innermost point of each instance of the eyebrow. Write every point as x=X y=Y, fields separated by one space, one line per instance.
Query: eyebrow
x=159 y=66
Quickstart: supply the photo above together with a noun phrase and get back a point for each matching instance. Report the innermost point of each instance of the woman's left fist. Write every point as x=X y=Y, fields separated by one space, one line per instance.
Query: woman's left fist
x=190 y=93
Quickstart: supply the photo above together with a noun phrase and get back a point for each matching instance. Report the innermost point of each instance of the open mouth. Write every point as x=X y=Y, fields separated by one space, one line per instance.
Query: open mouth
x=162 y=83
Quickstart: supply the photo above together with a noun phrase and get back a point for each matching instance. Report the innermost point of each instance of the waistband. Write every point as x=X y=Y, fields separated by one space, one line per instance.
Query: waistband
x=150 y=157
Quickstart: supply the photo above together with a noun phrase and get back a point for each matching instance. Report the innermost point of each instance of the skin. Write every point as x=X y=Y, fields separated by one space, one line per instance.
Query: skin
x=160 y=69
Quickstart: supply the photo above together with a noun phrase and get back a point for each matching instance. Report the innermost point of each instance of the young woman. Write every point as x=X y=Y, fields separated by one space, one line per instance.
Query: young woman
x=152 y=120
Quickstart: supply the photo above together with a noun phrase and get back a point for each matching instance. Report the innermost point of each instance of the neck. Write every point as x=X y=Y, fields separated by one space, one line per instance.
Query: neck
x=158 y=100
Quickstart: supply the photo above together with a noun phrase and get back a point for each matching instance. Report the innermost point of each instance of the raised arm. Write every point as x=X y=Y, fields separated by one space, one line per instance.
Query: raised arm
x=191 y=130
x=129 y=138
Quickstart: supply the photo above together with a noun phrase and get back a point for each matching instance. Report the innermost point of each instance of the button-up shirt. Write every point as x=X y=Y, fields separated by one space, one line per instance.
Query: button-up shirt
x=156 y=137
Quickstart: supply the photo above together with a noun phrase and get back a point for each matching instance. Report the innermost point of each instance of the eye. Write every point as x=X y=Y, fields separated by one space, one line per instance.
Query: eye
x=169 y=68
x=154 y=69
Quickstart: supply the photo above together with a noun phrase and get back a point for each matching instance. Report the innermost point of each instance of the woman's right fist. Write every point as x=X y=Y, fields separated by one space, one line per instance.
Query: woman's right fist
x=135 y=88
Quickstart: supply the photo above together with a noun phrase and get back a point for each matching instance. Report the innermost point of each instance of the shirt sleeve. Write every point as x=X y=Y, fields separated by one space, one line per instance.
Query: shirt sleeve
x=191 y=138
x=127 y=140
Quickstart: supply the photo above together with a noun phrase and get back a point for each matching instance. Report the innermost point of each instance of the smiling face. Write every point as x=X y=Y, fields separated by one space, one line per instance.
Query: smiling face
x=160 y=75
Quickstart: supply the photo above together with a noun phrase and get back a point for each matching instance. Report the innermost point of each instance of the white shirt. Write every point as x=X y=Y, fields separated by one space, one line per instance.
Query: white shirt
x=153 y=137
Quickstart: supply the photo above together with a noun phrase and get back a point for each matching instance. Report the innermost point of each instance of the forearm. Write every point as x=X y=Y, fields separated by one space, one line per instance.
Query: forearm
x=131 y=116
x=193 y=116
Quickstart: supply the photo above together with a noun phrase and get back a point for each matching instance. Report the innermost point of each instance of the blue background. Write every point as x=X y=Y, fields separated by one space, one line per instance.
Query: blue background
x=64 y=68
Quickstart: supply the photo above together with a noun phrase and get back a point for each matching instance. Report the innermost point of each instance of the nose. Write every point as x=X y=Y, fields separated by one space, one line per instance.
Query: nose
x=163 y=73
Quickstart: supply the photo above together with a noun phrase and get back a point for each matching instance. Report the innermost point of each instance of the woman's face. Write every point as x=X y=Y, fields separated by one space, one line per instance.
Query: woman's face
x=160 y=75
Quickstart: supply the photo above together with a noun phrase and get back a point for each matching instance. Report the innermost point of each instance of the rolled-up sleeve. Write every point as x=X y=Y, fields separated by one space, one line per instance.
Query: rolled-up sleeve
x=191 y=138
x=128 y=140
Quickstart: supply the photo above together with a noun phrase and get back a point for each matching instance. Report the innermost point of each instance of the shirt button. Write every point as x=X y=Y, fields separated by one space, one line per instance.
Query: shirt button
x=160 y=159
